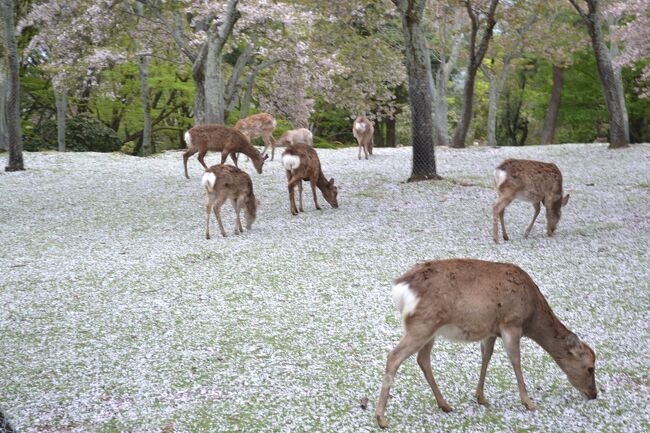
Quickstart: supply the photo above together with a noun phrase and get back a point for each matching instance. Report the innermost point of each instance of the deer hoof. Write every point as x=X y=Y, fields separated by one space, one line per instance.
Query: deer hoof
x=224 y=235
x=445 y=407
x=529 y=404
x=481 y=400
x=207 y=237
x=506 y=238
x=381 y=421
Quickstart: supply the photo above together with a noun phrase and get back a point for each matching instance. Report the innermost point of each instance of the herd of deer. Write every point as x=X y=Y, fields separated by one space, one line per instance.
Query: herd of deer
x=460 y=299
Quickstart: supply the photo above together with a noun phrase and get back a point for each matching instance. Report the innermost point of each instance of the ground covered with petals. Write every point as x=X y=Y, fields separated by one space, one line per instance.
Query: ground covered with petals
x=117 y=315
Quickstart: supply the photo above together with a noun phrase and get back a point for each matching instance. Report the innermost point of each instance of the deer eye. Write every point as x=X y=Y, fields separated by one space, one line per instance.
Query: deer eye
x=590 y=370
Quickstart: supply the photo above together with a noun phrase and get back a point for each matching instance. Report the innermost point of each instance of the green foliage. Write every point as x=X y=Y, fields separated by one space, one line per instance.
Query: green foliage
x=638 y=108
x=83 y=133
x=331 y=123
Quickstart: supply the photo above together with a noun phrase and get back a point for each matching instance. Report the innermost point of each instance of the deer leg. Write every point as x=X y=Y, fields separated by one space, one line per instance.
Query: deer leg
x=201 y=156
x=234 y=157
x=217 y=213
x=238 y=226
x=487 y=347
x=365 y=150
x=424 y=361
x=312 y=182
x=360 y=146
x=511 y=339
x=408 y=345
x=224 y=156
x=530 y=226
x=503 y=224
x=548 y=205
x=189 y=152
x=292 y=199
x=300 y=196
x=208 y=210
x=497 y=213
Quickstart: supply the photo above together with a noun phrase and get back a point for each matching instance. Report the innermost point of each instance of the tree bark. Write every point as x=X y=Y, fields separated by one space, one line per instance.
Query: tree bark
x=61 y=102
x=612 y=90
x=143 y=67
x=379 y=134
x=234 y=83
x=418 y=66
x=4 y=84
x=15 y=147
x=550 y=120
x=391 y=132
x=496 y=83
x=475 y=58
x=612 y=22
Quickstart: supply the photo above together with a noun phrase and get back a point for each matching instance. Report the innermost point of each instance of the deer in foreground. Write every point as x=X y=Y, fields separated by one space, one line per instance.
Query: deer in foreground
x=223 y=182
x=472 y=300
x=363 y=131
x=228 y=141
x=532 y=181
x=259 y=125
x=301 y=162
x=294 y=136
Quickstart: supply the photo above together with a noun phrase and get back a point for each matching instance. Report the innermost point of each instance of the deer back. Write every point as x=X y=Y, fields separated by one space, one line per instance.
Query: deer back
x=216 y=138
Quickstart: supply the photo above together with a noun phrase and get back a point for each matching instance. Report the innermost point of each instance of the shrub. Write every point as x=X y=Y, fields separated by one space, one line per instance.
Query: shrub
x=83 y=133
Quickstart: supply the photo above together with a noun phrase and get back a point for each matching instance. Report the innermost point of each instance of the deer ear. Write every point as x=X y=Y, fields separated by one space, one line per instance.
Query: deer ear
x=565 y=200
x=265 y=157
x=332 y=181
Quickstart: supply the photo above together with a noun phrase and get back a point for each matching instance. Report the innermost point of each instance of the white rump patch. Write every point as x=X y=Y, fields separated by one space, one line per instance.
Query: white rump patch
x=208 y=181
x=500 y=177
x=290 y=162
x=404 y=299
x=359 y=126
x=188 y=139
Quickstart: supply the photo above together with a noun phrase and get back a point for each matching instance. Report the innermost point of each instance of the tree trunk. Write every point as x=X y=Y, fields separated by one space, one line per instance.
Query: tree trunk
x=612 y=90
x=612 y=22
x=441 y=110
x=391 y=132
x=61 y=101
x=214 y=85
x=418 y=68
x=234 y=83
x=475 y=59
x=4 y=83
x=379 y=133
x=248 y=95
x=15 y=147
x=550 y=121
x=143 y=67
x=496 y=83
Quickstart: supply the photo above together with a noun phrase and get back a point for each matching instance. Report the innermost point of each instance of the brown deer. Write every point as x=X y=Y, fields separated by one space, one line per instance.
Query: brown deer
x=229 y=141
x=472 y=300
x=532 y=181
x=259 y=125
x=301 y=163
x=223 y=182
x=294 y=136
x=363 y=131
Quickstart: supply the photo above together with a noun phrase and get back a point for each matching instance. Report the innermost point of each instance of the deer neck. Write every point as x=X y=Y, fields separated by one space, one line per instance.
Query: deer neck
x=547 y=331
x=322 y=183
x=250 y=151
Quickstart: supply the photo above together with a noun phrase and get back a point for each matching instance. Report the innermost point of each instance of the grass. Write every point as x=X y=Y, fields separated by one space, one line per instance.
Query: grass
x=119 y=316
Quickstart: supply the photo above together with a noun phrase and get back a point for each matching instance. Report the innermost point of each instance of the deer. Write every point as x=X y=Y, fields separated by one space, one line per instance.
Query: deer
x=363 y=131
x=471 y=300
x=229 y=141
x=293 y=136
x=533 y=181
x=223 y=182
x=259 y=125
x=301 y=162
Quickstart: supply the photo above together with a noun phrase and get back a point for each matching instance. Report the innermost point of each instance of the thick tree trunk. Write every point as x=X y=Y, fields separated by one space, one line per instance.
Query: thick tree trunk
x=475 y=59
x=418 y=68
x=214 y=85
x=553 y=110
x=391 y=132
x=4 y=85
x=143 y=67
x=441 y=110
x=612 y=90
x=61 y=101
x=15 y=147
x=612 y=22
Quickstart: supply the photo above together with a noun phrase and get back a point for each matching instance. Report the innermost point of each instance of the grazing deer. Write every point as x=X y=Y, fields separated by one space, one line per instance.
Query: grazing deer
x=532 y=181
x=259 y=125
x=301 y=163
x=223 y=182
x=473 y=300
x=363 y=131
x=294 y=136
x=229 y=141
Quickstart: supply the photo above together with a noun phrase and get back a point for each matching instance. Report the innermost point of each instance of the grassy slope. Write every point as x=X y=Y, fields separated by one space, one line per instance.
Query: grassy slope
x=118 y=316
